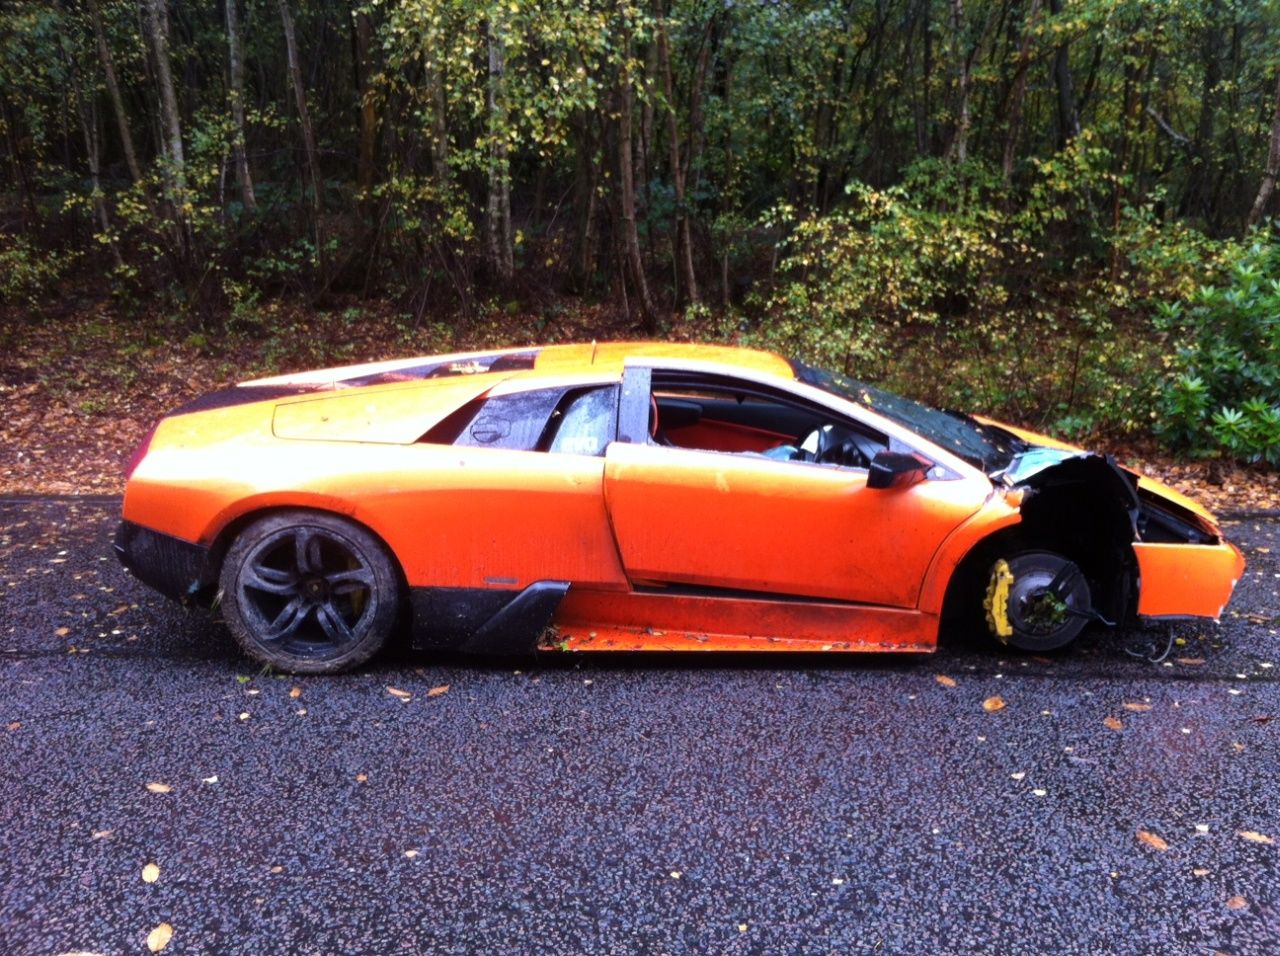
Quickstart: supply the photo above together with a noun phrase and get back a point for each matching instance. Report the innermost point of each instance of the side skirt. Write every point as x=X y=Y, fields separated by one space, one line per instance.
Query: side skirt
x=620 y=621
x=482 y=620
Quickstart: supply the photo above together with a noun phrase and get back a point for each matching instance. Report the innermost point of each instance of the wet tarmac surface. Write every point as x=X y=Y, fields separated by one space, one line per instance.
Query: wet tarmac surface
x=609 y=805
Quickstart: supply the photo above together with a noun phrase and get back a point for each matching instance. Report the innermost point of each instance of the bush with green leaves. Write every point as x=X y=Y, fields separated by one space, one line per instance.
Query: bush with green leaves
x=886 y=260
x=1222 y=392
x=28 y=273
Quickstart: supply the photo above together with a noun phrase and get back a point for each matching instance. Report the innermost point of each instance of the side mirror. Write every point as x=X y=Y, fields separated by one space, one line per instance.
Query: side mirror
x=896 y=469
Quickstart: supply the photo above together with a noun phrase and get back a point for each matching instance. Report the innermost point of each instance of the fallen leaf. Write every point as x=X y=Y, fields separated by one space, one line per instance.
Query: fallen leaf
x=213 y=779
x=1153 y=841
x=992 y=704
x=1115 y=723
x=1200 y=871
x=157 y=787
x=62 y=631
x=159 y=937
x=15 y=725
x=1253 y=836
x=945 y=681
x=676 y=874
x=277 y=869
x=120 y=610
x=1017 y=776
x=102 y=834
x=295 y=693
x=1237 y=903
x=401 y=694
x=411 y=854
x=80 y=952
x=1190 y=661
x=1138 y=708
x=150 y=873
x=361 y=777
x=437 y=691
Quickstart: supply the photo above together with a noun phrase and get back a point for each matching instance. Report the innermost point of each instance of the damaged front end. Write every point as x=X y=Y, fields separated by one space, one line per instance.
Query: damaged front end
x=1148 y=553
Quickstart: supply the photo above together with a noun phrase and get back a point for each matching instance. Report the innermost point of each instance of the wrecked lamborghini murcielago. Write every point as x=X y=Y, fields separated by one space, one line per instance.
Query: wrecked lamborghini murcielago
x=641 y=496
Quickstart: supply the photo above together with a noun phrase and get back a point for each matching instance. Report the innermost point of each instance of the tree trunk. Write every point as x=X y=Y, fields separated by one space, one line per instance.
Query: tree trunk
x=627 y=193
x=244 y=181
x=113 y=90
x=21 y=177
x=1273 y=165
x=439 y=129
x=1068 y=117
x=175 y=168
x=959 y=149
x=87 y=114
x=1197 y=199
x=501 y=253
x=682 y=240
x=1018 y=94
x=366 y=157
x=925 y=138
x=308 y=136
x=584 y=204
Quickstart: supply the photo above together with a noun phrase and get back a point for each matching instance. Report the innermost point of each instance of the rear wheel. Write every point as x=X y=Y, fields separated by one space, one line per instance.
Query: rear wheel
x=309 y=592
x=1037 y=601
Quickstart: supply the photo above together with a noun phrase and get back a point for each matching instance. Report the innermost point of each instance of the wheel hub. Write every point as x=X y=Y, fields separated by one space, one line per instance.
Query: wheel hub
x=315 y=589
x=1037 y=601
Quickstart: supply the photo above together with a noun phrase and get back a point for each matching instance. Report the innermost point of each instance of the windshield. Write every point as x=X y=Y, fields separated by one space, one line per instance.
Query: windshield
x=985 y=446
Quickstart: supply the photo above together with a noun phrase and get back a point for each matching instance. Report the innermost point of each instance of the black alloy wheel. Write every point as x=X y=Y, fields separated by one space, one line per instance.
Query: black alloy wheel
x=309 y=592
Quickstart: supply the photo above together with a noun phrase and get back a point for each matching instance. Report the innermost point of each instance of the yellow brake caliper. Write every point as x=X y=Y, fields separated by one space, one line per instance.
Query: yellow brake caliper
x=996 y=602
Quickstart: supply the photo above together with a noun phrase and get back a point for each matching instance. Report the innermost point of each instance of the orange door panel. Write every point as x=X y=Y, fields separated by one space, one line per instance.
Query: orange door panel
x=499 y=519
x=749 y=523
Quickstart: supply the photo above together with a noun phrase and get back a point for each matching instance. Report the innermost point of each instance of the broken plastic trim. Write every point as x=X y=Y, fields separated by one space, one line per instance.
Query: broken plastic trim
x=484 y=620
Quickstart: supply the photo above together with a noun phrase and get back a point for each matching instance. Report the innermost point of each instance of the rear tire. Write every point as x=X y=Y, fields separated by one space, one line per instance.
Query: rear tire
x=309 y=593
x=1024 y=612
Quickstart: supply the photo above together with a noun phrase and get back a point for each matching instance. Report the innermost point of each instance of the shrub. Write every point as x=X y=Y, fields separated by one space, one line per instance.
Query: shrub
x=1222 y=391
x=26 y=272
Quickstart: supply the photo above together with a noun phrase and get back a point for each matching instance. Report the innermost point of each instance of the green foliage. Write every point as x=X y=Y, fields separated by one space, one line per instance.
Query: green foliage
x=886 y=261
x=1222 y=390
x=27 y=273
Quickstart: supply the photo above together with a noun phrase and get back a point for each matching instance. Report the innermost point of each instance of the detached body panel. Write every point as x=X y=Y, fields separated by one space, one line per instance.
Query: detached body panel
x=1180 y=580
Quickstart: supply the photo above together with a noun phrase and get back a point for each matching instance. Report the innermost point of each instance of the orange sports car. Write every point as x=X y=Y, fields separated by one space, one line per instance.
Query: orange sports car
x=641 y=497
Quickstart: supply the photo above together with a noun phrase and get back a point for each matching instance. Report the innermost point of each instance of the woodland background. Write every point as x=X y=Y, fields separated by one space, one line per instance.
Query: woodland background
x=1053 y=211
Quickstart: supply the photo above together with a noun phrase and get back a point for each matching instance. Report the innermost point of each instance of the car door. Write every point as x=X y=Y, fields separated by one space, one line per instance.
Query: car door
x=744 y=522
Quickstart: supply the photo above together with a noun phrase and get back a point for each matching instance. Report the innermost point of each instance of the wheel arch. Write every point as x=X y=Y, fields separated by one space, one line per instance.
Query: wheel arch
x=233 y=526
x=1076 y=519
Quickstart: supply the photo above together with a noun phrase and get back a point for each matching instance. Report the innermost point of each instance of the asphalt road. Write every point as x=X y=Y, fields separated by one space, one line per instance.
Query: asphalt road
x=740 y=805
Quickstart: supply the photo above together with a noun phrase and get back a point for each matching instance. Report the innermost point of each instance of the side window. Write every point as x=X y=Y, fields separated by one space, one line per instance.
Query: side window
x=747 y=420
x=584 y=424
x=514 y=422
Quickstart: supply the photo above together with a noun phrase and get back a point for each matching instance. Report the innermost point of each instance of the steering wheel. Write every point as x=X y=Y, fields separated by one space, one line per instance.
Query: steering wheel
x=836 y=445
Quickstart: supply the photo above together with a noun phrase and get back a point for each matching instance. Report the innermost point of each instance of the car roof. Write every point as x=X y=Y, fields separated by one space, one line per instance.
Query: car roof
x=611 y=356
x=596 y=359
